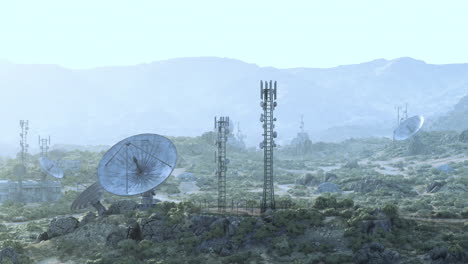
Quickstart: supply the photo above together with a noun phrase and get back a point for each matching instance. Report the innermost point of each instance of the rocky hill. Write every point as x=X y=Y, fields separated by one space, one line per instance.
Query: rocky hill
x=181 y=97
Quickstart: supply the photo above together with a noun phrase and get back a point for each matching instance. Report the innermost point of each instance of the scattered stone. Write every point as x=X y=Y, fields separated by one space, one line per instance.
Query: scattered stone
x=61 y=226
x=42 y=237
x=187 y=176
x=371 y=184
x=375 y=253
x=115 y=237
x=464 y=136
x=371 y=226
x=9 y=253
x=445 y=168
x=352 y=164
x=134 y=231
x=309 y=180
x=438 y=253
x=330 y=177
x=88 y=218
x=328 y=187
x=435 y=186
x=441 y=255
x=122 y=207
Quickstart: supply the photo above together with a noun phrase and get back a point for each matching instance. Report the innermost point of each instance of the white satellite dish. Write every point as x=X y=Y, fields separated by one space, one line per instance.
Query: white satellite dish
x=408 y=128
x=50 y=168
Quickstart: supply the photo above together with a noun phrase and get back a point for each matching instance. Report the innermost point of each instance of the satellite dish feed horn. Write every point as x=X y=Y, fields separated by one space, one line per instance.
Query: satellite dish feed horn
x=408 y=128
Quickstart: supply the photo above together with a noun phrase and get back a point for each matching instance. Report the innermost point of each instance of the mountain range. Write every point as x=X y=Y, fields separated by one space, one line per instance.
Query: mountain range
x=180 y=97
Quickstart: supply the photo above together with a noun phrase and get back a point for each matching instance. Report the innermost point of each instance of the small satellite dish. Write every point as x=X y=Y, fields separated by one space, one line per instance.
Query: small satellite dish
x=49 y=167
x=137 y=164
x=408 y=128
x=91 y=196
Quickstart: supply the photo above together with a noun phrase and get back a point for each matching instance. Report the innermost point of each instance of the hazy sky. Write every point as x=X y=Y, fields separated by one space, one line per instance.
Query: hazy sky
x=83 y=34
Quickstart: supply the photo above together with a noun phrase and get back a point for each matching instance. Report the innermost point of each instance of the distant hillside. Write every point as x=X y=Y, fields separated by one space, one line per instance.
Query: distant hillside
x=64 y=147
x=180 y=97
x=456 y=119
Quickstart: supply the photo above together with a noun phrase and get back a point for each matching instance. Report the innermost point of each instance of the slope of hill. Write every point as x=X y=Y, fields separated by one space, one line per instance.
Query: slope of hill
x=456 y=119
x=181 y=97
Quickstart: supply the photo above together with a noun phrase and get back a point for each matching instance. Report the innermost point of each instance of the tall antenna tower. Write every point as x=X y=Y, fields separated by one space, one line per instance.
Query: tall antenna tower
x=24 y=125
x=302 y=124
x=44 y=144
x=222 y=127
x=268 y=104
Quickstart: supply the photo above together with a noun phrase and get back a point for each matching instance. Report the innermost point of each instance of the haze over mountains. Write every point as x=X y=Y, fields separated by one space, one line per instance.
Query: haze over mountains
x=180 y=97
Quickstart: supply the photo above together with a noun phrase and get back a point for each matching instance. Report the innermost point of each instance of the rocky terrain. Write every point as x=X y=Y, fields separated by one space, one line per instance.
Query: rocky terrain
x=357 y=201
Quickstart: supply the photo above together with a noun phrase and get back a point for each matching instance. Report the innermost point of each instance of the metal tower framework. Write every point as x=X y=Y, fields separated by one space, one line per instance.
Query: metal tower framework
x=268 y=104
x=24 y=125
x=222 y=128
x=44 y=144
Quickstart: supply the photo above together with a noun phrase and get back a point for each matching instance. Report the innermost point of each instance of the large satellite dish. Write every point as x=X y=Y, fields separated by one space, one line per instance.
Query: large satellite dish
x=408 y=128
x=49 y=167
x=91 y=196
x=137 y=164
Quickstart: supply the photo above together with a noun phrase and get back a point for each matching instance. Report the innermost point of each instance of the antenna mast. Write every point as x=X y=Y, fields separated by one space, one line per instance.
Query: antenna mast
x=222 y=127
x=268 y=104
x=24 y=125
x=302 y=124
x=44 y=144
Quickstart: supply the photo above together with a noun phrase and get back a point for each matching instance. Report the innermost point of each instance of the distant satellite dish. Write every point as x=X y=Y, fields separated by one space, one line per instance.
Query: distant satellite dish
x=49 y=167
x=90 y=197
x=137 y=164
x=408 y=128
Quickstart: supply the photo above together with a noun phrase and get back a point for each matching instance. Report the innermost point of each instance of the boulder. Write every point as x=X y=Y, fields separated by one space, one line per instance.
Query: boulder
x=445 y=168
x=352 y=164
x=61 y=226
x=88 y=218
x=42 y=237
x=464 y=136
x=330 y=177
x=375 y=253
x=328 y=187
x=134 y=231
x=122 y=207
x=9 y=253
x=435 y=186
x=115 y=237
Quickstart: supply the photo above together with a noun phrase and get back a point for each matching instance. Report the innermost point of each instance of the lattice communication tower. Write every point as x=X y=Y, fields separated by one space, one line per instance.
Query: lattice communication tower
x=268 y=104
x=222 y=129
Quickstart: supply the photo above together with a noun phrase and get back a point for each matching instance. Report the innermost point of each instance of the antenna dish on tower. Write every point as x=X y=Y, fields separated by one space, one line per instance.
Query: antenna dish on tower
x=408 y=128
x=137 y=164
x=50 y=168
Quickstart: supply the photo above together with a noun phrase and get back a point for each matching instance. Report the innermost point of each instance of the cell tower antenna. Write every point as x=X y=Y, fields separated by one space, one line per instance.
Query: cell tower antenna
x=302 y=124
x=24 y=125
x=405 y=113
x=222 y=128
x=268 y=104
x=44 y=144
x=239 y=135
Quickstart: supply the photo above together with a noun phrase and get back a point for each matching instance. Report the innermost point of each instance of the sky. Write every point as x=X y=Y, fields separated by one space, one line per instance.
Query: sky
x=283 y=34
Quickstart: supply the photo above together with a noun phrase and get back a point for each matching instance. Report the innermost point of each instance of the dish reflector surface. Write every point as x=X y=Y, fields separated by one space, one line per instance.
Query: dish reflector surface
x=408 y=128
x=90 y=196
x=137 y=164
x=51 y=168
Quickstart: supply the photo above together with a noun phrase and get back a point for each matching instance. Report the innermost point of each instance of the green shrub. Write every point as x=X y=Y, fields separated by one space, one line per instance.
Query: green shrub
x=323 y=202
